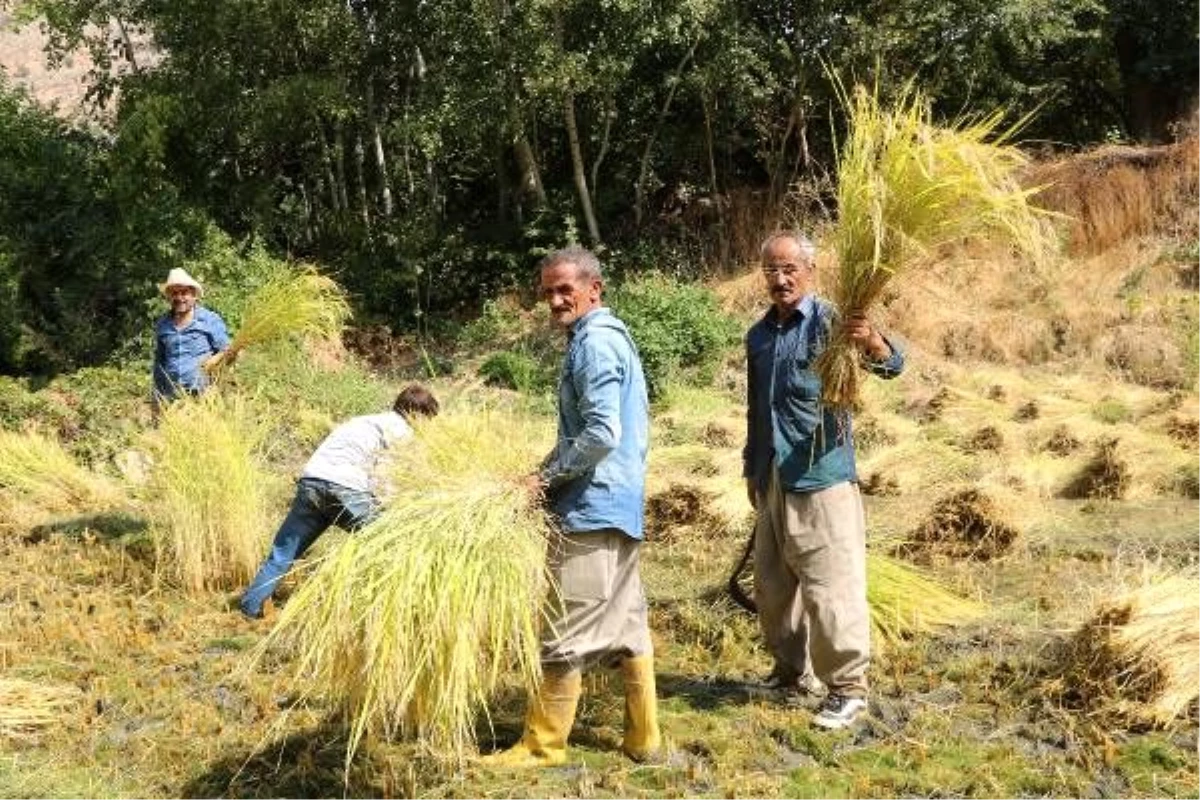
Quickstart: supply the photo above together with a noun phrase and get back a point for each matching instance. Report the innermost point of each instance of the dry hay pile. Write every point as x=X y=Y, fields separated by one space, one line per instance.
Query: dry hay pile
x=987 y=438
x=27 y=707
x=1184 y=431
x=1135 y=658
x=38 y=476
x=1061 y=442
x=965 y=524
x=679 y=505
x=1104 y=477
x=1113 y=192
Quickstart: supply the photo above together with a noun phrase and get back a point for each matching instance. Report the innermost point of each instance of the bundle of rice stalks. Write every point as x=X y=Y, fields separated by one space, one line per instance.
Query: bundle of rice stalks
x=1104 y=477
x=27 y=707
x=410 y=624
x=1135 y=658
x=906 y=602
x=965 y=524
x=905 y=187
x=303 y=303
x=209 y=492
x=38 y=472
x=679 y=505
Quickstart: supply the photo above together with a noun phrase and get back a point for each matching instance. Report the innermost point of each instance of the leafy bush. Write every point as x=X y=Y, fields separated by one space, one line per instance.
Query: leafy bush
x=514 y=369
x=679 y=329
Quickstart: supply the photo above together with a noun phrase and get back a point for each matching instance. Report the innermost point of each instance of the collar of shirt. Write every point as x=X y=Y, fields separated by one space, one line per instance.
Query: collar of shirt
x=581 y=323
x=804 y=309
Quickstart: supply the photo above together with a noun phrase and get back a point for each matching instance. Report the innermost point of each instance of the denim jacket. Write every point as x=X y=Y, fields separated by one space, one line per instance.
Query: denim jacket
x=786 y=424
x=179 y=352
x=596 y=474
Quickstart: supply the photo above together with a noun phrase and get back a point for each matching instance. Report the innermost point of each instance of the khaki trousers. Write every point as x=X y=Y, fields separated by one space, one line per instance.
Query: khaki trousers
x=810 y=582
x=597 y=616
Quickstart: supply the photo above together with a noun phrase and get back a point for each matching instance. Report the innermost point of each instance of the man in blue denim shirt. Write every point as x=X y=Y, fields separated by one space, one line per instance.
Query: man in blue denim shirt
x=189 y=340
x=810 y=534
x=594 y=483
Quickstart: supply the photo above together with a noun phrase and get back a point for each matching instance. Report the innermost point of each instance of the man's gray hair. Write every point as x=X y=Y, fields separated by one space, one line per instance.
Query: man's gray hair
x=587 y=266
x=807 y=248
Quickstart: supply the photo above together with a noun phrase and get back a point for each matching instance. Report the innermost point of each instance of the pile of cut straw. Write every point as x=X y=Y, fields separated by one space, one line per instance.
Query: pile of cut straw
x=27 y=707
x=37 y=470
x=410 y=623
x=1135 y=658
x=304 y=303
x=906 y=186
x=208 y=491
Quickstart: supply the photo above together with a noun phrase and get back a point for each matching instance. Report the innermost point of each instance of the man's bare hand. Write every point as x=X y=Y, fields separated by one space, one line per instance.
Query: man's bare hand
x=865 y=337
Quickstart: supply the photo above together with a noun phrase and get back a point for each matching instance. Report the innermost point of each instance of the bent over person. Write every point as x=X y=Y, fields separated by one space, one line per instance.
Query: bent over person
x=594 y=483
x=189 y=340
x=338 y=487
x=810 y=532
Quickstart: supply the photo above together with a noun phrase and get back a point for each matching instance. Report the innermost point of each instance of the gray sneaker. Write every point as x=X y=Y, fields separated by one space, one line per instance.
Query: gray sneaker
x=838 y=711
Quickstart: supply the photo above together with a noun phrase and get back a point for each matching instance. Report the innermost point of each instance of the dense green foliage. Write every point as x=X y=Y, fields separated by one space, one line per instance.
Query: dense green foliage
x=428 y=152
x=679 y=328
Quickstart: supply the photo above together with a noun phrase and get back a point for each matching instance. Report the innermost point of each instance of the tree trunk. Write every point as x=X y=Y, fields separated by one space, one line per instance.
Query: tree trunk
x=360 y=173
x=577 y=170
x=610 y=113
x=639 y=189
x=385 y=181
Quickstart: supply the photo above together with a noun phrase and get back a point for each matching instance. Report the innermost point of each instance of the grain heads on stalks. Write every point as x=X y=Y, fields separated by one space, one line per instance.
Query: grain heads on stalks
x=208 y=492
x=906 y=186
x=37 y=471
x=303 y=303
x=906 y=602
x=1135 y=657
x=410 y=624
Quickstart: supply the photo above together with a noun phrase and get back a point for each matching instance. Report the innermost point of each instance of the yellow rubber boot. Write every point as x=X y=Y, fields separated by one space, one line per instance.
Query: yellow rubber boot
x=642 y=739
x=548 y=722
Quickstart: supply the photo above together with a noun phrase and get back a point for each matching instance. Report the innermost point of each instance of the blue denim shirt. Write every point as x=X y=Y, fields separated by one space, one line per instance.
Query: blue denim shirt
x=812 y=445
x=178 y=353
x=596 y=474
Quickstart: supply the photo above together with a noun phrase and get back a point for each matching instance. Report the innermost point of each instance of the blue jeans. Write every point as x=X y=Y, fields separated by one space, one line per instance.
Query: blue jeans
x=317 y=505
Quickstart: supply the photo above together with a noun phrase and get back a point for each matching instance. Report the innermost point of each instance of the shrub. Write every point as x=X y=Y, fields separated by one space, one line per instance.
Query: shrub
x=514 y=369
x=679 y=328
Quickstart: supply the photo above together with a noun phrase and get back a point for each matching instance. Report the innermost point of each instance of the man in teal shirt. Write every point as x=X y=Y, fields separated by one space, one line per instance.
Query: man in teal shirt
x=810 y=534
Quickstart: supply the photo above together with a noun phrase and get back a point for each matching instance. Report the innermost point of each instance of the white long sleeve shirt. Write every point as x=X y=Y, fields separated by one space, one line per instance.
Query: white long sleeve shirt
x=349 y=453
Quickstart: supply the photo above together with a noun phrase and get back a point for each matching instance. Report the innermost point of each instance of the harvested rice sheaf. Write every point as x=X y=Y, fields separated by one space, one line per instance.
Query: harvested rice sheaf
x=208 y=492
x=906 y=602
x=907 y=186
x=411 y=624
x=677 y=506
x=1135 y=657
x=965 y=524
x=38 y=472
x=27 y=707
x=1105 y=477
x=304 y=303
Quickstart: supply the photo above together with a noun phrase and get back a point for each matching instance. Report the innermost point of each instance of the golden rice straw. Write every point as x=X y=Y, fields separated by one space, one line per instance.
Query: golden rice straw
x=906 y=186
x=208 y=492
x=26 y=707
x=905 y=601
x=36 y=469
x=410 y=624
x=1136 y=656
x=303 y=302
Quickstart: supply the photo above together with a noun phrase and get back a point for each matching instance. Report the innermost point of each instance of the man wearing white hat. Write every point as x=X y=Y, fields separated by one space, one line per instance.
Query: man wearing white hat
x=189 y=340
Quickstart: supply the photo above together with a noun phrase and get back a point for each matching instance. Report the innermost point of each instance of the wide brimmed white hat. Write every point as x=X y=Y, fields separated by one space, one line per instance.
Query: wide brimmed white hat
x=179 y=277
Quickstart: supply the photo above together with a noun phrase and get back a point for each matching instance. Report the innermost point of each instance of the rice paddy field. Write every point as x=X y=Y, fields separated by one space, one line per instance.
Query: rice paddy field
x=1034 y=475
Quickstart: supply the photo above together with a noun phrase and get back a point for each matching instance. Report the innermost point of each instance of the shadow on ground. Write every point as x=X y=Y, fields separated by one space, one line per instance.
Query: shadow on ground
x=305 y=764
